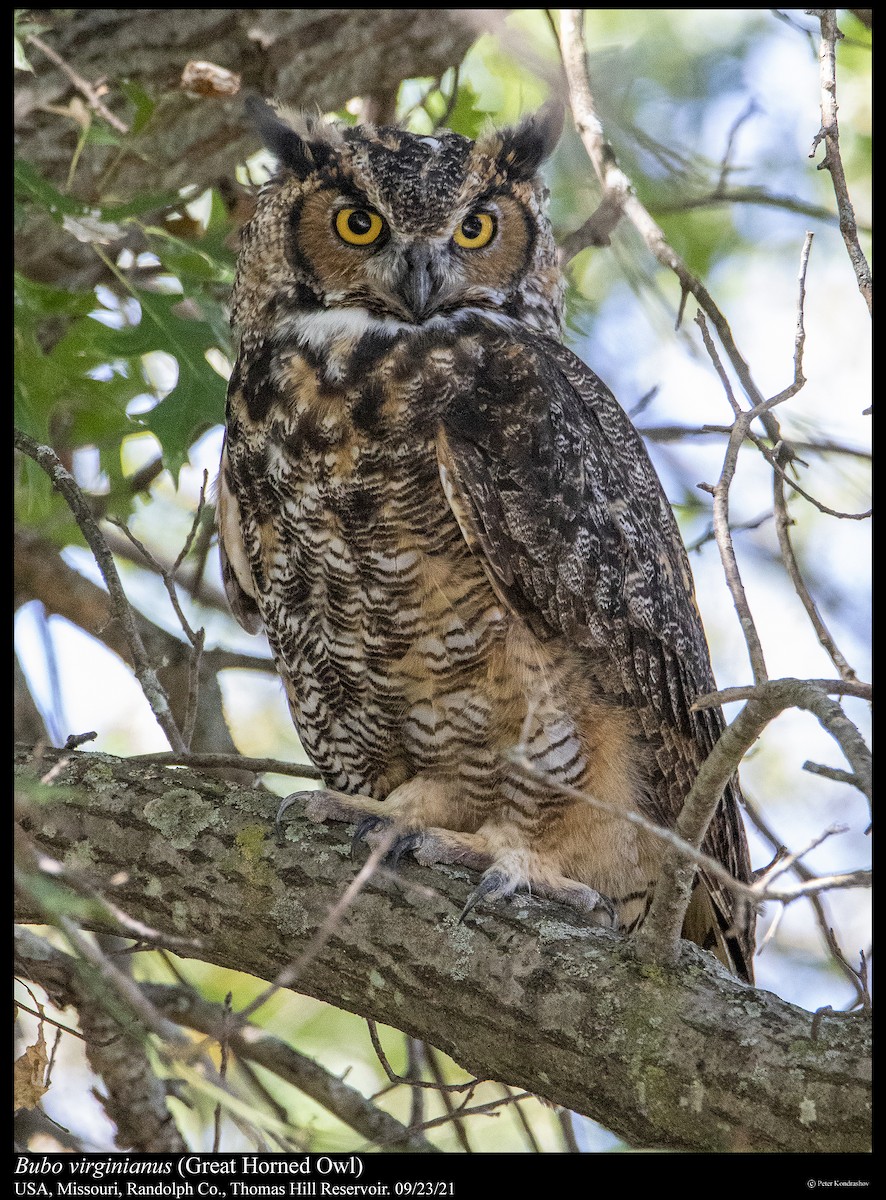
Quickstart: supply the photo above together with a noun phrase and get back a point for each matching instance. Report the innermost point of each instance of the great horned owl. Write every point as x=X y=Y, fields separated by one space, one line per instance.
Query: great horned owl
x=451 y=531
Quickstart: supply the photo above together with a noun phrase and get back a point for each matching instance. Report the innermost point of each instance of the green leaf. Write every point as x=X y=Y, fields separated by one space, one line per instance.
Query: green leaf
x=195 y=404
x=31 y=184
x=467 y=117
x=142 y=102
x=188 y=259
x=19 y=58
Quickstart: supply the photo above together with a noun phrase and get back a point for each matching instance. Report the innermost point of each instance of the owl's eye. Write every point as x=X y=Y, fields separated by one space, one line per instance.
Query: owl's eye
x=358 y=226
x=475 y=231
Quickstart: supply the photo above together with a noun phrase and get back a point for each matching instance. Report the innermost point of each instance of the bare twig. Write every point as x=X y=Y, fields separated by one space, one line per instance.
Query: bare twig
x=830 y=687
x=531 y=1139
x=126 y=926
x=660 y=933
x=751 y=195
x=490 y=1109
x=86 y=89
x=275 y=766
x=835 y=773
x=782 y=525
x=289 y=975
x=252 y=1044
x=433 y=1060
x=469 y=1086
x=676 y=433
x=570 y=1143
x=154 y=692
x=619 y=188
x=740 y=430
x=772 y=457
x=784 y=862
x=722 y=534
x=829 y=133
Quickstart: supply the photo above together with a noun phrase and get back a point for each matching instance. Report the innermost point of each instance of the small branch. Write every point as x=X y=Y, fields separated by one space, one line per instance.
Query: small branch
x=782 y=525
x=722 y=534
x=125 y=925
x=196 y=638
x=830 y=687
x=432 y=1058
x=834 y=773
x=659 y=937
x=829 y=133
x=64 y=482
x=676 y=433
x=822 y=883
x=740 y=430
x=238 y=762
x=469 y=1086
x=784 y=862
x=772 y=457
x=293 y=972
x=725 y=168
x=86 y=89
x=618 y=187
x=681 y=848
x=254 y=1045
x=751 y=195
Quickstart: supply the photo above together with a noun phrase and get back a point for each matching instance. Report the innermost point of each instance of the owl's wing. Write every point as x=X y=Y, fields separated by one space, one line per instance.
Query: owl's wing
x=236 y=575
x=553 y=488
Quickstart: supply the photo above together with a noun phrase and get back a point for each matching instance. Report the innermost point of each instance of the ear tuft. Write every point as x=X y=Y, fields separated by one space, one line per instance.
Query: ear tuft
x=526 y=146
x=291 y=150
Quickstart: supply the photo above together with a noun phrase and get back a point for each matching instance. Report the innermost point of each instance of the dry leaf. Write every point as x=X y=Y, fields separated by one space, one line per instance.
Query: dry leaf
x=29 y=1073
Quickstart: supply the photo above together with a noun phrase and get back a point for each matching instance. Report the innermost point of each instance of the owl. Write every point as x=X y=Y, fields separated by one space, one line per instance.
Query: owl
x=472 y=583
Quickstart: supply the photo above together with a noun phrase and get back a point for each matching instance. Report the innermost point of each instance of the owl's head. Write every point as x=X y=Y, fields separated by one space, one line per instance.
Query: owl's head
x=406 y=228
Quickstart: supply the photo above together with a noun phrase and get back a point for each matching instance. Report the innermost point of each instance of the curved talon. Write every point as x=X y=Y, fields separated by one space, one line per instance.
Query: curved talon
x=365 y=826
x=404 y=843
x=492 y=882
x=285 y=803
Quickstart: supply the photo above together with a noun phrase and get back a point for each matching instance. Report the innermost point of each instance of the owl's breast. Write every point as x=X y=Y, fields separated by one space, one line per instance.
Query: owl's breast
x=380 y=618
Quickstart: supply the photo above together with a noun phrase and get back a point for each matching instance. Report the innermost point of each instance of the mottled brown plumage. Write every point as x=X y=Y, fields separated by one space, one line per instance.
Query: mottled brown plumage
x=451 y=531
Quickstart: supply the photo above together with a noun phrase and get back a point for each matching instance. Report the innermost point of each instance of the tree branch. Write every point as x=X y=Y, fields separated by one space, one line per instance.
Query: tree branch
x=526 y=994
x=618 y=187
x=63 y=481
x=829 y=133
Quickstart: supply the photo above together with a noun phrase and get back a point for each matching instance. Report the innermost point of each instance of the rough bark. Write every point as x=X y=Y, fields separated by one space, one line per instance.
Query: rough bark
x=316 y=59
x=687 y=1058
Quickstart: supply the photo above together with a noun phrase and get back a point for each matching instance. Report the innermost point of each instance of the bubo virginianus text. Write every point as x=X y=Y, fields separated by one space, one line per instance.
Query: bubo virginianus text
x=451 y=531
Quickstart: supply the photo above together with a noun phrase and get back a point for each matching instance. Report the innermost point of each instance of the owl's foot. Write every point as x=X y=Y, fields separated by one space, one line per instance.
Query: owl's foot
x=501 y=880
x=375 y=821
x=428 y=846
x=325 y=805
x=384 y=828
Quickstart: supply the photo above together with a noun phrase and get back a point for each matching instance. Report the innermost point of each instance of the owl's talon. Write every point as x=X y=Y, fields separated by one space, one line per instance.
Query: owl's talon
x=365 y=826
x=285 y=803
x=492 y=884
x=403 y=844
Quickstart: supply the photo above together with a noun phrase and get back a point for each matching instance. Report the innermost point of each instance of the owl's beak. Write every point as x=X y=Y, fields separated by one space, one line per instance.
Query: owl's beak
x=420 y=283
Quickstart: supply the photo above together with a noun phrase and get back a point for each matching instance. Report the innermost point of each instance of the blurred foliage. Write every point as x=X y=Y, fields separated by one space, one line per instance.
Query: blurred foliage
x=691 y=100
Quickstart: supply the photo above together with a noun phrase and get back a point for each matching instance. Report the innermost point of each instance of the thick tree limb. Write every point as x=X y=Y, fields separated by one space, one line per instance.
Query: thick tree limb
x=686 y=1058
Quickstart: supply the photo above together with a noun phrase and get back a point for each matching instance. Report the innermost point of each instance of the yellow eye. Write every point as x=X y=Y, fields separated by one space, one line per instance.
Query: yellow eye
x=358 y=226
x=475 y=231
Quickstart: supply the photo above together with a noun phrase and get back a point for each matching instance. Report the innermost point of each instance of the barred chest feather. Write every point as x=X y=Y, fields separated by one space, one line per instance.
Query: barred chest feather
x=396 y=654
